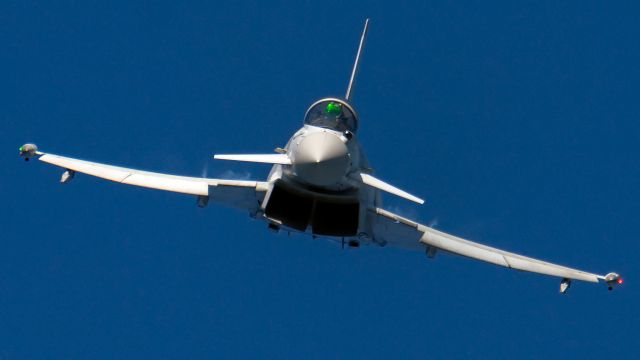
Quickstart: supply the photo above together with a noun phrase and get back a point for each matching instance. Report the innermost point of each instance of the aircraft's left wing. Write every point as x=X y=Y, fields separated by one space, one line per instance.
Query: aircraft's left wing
x=396 y=230
x=242 y=194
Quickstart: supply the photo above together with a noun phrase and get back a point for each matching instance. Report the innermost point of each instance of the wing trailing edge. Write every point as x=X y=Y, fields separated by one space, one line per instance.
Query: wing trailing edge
x=399 y=231
x=241 y=194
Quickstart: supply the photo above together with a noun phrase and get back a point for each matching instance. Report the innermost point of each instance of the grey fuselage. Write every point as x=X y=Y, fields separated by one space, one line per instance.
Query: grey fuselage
x=321 y=191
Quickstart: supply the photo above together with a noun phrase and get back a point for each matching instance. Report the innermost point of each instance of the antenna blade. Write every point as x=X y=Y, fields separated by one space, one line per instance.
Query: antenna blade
x=357 y=62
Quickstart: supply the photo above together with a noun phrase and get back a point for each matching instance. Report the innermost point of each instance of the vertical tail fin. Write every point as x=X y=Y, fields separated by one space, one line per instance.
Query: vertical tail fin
x=357 y=62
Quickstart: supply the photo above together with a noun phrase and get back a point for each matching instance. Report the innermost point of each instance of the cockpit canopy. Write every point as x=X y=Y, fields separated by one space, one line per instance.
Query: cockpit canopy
x=334 y=114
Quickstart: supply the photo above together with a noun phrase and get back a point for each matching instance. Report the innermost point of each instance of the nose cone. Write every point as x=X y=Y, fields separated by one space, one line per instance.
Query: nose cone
x=321 y=159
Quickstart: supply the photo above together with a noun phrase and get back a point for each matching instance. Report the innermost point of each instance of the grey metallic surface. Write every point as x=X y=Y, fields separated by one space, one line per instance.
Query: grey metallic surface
x=321 y=158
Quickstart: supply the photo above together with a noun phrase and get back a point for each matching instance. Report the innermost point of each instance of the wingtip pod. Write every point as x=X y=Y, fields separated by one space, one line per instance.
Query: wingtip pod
x=613 y=279
x=27 y=151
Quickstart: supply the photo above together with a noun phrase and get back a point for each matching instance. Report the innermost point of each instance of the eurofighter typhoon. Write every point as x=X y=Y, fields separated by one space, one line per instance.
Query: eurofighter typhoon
x=321 y=184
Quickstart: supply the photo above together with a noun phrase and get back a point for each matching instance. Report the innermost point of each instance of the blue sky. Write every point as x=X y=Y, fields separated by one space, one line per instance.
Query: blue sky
x=517 y=122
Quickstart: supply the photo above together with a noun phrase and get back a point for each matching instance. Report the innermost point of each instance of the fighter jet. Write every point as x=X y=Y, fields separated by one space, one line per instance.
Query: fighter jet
x=321 y=184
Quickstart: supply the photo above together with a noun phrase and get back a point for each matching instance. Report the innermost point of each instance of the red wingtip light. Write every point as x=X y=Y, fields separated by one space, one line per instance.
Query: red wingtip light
x=620 y=281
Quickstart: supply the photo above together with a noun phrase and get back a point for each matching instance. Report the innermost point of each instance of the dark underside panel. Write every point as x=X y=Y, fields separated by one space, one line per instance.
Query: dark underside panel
x=331 y=216
x=335 y=219
x=292 y=209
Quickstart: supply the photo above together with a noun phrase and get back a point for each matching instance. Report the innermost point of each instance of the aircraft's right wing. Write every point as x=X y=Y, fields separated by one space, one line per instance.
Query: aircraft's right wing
x=241 y=194
x=396 y=230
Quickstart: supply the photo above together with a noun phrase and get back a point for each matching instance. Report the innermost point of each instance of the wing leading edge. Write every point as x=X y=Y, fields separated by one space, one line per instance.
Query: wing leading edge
x=386 y=227
x=394 y=229
x=240 y=194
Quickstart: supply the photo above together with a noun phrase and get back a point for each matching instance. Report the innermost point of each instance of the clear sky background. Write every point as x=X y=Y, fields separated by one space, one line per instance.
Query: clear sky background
x=517 y=121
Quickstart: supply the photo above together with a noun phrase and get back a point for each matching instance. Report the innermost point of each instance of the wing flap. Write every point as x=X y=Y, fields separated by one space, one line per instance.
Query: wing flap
x=179 y=184
x=541 y=267
x=241 y=194
x=86 y=167
x=458 y=247
x=495 y=256
x=193 y=187
x=397 y=230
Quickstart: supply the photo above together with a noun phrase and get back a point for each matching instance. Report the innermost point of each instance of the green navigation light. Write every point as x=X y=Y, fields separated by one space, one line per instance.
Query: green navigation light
x=20 y=149
x=334 y=109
